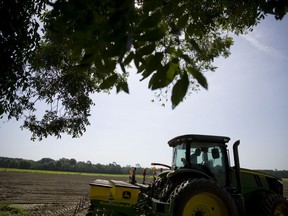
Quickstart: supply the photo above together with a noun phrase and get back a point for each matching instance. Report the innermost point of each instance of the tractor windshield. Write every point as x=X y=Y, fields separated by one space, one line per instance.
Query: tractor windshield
x=204 y=155
x=179 y=154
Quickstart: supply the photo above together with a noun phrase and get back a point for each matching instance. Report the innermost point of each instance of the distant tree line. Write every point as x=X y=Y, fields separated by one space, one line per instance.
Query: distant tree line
x=70 y=165
x=277 y=173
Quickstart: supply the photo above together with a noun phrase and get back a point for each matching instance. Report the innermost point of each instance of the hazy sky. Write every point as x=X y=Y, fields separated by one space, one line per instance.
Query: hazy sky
x=246 y=100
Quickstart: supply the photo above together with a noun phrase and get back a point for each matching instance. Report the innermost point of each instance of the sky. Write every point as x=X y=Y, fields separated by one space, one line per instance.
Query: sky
x=246 y=100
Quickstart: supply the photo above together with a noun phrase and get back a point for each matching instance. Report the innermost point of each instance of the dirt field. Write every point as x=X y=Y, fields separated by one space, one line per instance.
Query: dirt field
x=47 y=194
x=51 y=194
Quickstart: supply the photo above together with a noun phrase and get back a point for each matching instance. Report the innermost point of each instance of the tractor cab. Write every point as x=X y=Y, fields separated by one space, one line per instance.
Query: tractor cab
x=201 y=153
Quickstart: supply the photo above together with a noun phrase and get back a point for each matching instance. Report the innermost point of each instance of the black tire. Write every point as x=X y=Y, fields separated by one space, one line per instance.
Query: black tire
x=274 y=205
x=169 y=188
x=199 y=197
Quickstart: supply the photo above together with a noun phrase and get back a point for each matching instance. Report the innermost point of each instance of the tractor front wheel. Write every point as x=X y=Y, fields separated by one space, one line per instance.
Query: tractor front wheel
x=274 y=205
x=199 y=197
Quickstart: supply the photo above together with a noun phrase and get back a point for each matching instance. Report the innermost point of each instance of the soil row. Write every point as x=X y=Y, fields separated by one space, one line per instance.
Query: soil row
x=47 y=194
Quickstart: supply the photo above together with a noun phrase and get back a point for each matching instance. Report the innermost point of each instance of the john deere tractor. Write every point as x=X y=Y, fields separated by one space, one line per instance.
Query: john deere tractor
x=200 y=182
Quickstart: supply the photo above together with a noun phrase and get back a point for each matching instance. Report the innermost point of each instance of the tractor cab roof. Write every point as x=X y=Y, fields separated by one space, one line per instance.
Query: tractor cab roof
x=197 y=138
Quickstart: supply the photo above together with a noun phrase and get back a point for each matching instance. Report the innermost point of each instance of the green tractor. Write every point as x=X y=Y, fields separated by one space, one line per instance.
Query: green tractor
x=200 y=182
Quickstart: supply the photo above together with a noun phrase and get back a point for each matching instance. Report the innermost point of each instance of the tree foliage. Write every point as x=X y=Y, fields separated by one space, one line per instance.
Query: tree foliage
x=18 y=38
x=68 y=165
x=89 y=46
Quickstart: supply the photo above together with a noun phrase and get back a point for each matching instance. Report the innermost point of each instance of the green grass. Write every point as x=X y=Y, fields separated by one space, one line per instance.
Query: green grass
x=64 y=173
x=57 y=172
x=6 y=209
x=285 y=179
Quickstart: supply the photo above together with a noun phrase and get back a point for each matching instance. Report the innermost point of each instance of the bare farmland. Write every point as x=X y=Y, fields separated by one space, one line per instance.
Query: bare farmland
x=46 y=194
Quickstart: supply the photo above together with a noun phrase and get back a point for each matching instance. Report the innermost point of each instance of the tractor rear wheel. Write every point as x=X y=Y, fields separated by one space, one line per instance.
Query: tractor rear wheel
x=274 y=205
x=199 y=197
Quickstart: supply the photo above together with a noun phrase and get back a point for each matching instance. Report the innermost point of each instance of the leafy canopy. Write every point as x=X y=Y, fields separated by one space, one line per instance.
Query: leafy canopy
x=89 y=46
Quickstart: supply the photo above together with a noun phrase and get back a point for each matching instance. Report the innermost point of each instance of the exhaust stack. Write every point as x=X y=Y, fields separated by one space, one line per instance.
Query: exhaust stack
x=237 y=165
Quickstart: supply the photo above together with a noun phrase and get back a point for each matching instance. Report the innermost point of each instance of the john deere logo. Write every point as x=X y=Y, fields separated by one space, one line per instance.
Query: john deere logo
x=126 y=195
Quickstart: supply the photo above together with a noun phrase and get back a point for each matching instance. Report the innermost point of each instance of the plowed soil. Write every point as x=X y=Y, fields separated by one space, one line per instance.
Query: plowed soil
x=51 y=194
x=47 y=194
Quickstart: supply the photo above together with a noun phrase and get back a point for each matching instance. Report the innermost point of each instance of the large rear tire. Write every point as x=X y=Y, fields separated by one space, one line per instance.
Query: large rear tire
x=274 y=205
x=199 y=197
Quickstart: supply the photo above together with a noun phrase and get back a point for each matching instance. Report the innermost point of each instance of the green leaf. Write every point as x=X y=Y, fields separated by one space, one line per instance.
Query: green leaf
x=154 y=63
x=198 y=76
x=149 y=5
x=109 y=65
x=168 y=7
x=151 y=21
x=117 y=49
x=164 y=76
x=82 y=67
x=137 y=61
x=179 y=90
x=1 y=110
x=186 y=58
x=99 y=64
x=173 y=70
x=109 y=82
x=158 y=78
x=195 y=46
x=142 y=68
x=87 y=58
x=180 y=11
x=153 y=35
x=183 y=20
x=190 y=29
x=122 y=67
x=129 y=58
x=122 y=86
x=146 y=50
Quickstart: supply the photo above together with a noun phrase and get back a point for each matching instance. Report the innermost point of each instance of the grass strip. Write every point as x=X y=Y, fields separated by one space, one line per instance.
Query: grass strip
x=67 y=173
x=6 y=209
